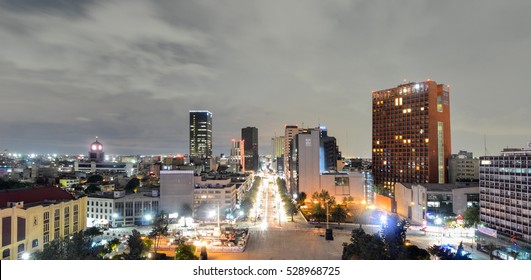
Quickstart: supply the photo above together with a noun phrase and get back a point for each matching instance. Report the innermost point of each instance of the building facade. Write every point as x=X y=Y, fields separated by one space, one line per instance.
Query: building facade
x=200 y=134
x=411 y=140
x=463 y=167
x=176 y=190
x=211 y=194
x=31 y=218
x=289 y=132
x=250 y=138
x=505 y=193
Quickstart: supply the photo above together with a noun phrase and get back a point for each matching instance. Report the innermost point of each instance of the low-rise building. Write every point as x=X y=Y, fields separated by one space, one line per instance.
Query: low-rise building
x=419 y=202
x=31 y=218
x=118 y=209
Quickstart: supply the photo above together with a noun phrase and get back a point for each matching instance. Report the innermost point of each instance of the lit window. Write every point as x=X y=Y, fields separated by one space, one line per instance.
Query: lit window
x=427 y=140
x=422 y=108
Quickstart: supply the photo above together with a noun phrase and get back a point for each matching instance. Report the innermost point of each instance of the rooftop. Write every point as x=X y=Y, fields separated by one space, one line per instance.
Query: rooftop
x=34 y=196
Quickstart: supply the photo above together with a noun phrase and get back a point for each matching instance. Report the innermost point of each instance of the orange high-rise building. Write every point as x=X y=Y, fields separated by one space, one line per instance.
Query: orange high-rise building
x=411 y=136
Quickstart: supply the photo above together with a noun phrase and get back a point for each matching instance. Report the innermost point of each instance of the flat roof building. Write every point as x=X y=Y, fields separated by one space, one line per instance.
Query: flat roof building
x=200 y=134
x=411 y=136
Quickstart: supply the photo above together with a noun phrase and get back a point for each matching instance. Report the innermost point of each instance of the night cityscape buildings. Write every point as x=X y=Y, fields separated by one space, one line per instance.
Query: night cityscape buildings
x=411 y=136
x=505 y=195
x=200 y=134
x=250 y=138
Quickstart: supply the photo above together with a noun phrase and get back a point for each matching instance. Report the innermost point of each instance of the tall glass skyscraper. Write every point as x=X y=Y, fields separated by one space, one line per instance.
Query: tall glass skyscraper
x=200 y=134
x=250 y=137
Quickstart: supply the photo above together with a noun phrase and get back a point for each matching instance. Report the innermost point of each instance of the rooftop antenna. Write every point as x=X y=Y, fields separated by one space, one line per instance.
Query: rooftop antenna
x=347 y=142
x=485 y=143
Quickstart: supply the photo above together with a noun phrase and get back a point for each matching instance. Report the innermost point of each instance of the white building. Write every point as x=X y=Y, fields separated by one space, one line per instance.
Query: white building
x=116 y=209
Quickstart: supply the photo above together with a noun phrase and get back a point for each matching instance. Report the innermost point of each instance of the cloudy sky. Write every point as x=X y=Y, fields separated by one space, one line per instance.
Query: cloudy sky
x=129 y=71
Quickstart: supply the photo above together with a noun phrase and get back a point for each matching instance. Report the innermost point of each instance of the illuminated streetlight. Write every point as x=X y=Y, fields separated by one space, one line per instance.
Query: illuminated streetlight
x=25 y=256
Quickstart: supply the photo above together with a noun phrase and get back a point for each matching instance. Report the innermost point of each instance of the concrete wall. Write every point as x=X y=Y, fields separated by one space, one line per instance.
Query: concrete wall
x=308 y=162
x=459 y=198
x=411 y=202
x=355 y=187
x=176 y=190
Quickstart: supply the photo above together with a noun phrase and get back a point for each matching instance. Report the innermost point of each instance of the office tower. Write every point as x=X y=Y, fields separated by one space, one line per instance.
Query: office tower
x=250 y=145
x=463 y=168
x=278 y=153
x=289 y=132
x=505 y=191
x=305 y=161
x=411 y=141
x=329 y=151
x=200 y=134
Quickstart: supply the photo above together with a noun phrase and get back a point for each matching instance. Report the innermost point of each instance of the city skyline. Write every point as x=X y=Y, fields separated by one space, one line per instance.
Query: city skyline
x=77 y=70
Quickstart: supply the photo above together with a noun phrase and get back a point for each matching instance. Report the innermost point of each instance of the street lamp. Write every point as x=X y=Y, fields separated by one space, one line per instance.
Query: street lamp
x=25 y=256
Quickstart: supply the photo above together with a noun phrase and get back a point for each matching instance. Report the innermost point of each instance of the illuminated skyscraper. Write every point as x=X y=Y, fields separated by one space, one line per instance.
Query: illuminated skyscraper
x=411 y=140
x=200 y=134
x=250 y=137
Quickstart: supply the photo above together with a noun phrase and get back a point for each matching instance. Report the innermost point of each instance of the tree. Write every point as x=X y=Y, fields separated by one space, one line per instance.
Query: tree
x=301 y=197
x=137 y=247
x=339 y=214
x=364 y=246
x=132 y=185
x=413 y=252
x=393 y=232
x=292 y=209
x=318 y=213
x=185 y=252
x=490 y=248
x=471 y=216
x=315 y=197
x=92 y=188
x=77 y=246
x=93 y=231
x=94 y=179
x=160 y=228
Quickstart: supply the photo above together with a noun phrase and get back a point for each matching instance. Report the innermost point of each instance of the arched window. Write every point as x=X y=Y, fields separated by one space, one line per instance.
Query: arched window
x=5 y=254
x=20 y=248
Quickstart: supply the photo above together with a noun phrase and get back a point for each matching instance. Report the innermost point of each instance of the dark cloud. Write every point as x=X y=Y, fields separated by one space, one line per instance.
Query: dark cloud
x=54 y=7
x=129 y=71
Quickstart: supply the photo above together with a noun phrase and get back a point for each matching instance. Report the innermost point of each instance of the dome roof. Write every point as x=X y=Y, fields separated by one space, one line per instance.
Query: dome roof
x=96 y=146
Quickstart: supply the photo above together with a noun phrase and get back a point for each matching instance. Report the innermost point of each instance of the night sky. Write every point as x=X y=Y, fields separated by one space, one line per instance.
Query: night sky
x=129 y=71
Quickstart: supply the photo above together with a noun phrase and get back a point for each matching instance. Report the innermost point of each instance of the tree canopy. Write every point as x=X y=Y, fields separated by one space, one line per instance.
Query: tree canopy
x=132 y=185
x=96 y=178
x=159 y=229
x=185 y=252
x=471 y=216
x=388 y=244
x=137 y=247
